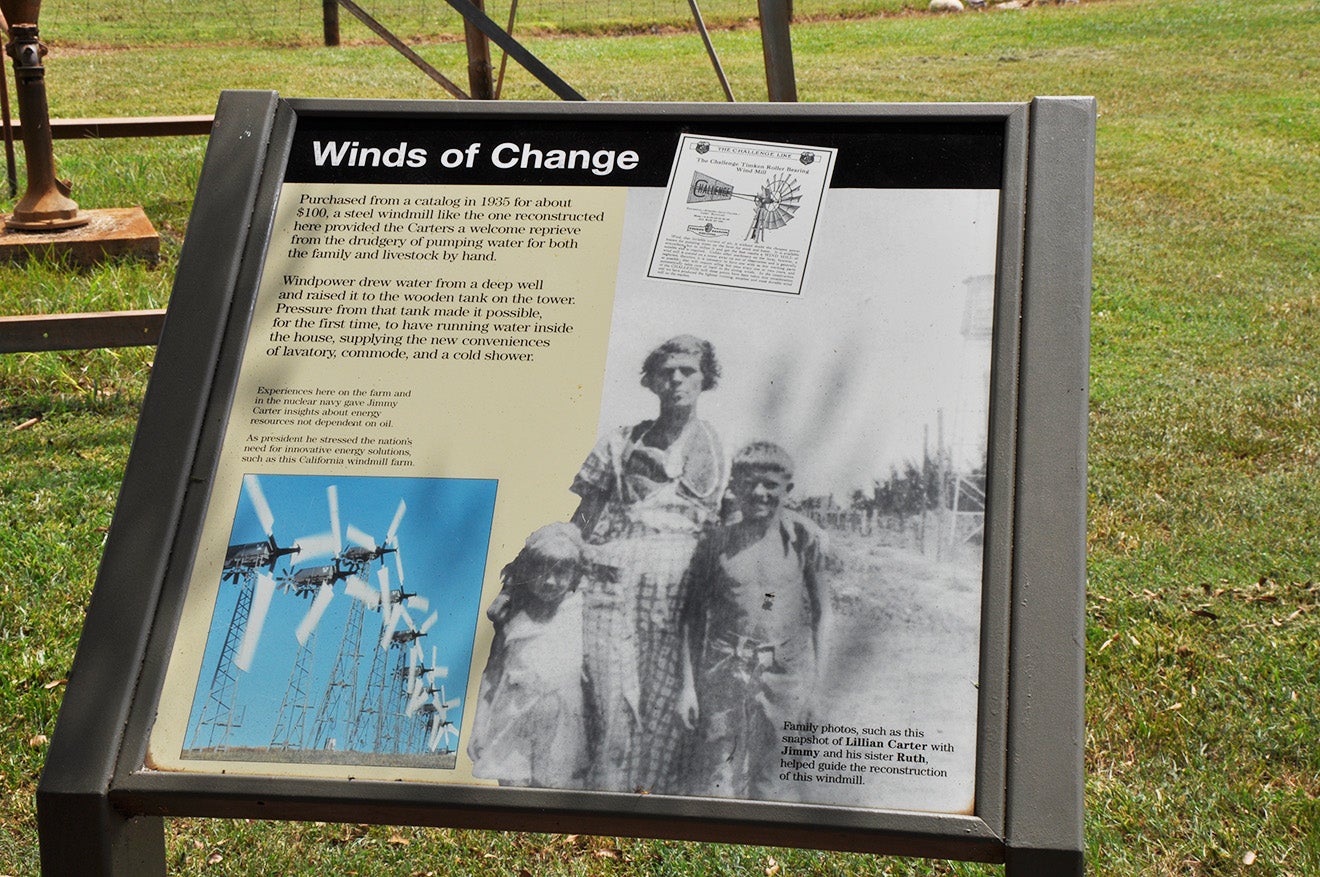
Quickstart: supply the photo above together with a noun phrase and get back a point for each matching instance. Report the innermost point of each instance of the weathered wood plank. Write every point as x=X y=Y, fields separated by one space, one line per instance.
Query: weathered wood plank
x=26 y=334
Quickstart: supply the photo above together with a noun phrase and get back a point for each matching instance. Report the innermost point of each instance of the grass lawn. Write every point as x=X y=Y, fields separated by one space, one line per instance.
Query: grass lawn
x=1203 y=625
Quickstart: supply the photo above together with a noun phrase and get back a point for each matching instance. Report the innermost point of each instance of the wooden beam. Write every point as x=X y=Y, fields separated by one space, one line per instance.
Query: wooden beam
x=516 y=50
x=27 y=334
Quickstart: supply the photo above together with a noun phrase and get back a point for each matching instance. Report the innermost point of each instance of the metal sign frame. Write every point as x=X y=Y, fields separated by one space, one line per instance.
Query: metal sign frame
x=1029 y=785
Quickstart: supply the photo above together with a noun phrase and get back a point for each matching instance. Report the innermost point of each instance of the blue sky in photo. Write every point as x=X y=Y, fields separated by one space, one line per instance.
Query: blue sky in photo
x=443 y=539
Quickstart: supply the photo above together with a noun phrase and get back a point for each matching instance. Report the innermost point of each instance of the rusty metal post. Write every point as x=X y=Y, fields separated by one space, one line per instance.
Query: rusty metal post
x=46 y=205
x=330 y=22
x=480 y=82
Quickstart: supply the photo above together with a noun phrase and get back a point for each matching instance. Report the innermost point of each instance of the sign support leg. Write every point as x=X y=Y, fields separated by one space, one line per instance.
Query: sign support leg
x=1046 y=730
x=1044 y=863
x=83 y=836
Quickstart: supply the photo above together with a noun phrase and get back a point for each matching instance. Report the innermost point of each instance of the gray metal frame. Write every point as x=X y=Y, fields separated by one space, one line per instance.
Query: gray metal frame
x=1029 y=778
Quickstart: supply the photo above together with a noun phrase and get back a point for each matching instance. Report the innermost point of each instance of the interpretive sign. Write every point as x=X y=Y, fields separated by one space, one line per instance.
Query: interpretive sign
x=684 y=471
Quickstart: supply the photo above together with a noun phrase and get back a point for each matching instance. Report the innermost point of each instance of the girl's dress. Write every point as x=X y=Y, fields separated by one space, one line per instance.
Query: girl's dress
x=530 y=726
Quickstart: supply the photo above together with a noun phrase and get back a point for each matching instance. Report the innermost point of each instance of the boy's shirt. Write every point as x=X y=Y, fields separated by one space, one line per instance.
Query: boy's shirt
x=764 y=593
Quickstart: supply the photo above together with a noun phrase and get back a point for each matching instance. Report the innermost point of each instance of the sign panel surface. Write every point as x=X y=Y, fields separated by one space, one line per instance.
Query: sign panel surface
x=626 y=459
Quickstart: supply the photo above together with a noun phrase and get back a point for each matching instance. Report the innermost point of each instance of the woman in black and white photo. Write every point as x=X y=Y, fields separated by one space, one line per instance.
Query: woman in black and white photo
x=647 y=490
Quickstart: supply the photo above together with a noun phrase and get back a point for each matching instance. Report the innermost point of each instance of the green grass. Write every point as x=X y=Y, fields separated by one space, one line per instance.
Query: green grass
x=125 y=23
x=1203 y=623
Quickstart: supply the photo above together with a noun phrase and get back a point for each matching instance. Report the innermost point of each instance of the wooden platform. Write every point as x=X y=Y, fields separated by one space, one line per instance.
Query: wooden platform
x=115 y=232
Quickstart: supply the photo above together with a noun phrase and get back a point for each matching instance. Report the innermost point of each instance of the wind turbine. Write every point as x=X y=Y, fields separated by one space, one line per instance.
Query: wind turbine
x=244 y=631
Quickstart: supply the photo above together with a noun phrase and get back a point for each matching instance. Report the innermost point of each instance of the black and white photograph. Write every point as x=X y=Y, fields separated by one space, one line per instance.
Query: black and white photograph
x=778 y=528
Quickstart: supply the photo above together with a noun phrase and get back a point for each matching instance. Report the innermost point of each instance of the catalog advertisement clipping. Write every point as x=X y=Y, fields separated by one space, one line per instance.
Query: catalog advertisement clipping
x=606 y=461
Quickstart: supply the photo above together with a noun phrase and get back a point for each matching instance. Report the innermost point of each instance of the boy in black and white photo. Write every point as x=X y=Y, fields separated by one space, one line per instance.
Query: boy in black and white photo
x=755 y=619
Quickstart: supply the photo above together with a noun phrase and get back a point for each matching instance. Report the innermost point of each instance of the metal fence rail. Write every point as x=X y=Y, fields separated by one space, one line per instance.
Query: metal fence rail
x=145 y=126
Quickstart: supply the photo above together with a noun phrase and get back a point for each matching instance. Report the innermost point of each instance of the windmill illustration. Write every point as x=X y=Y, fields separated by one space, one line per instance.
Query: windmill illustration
x=776 y=202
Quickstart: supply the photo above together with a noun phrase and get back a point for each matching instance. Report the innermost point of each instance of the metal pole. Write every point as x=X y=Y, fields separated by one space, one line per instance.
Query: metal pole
x=530 y=62
x=6 y=121
x=330 y=22
x=778 y=47
x=398 y=45
x=710 y=50
x=504 y=56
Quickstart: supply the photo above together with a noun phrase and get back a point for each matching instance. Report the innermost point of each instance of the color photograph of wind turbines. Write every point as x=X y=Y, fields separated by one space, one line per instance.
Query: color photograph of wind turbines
x=343 y=626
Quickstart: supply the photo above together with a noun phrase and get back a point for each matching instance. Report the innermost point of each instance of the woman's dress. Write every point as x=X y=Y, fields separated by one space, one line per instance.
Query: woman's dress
x=656 y=503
